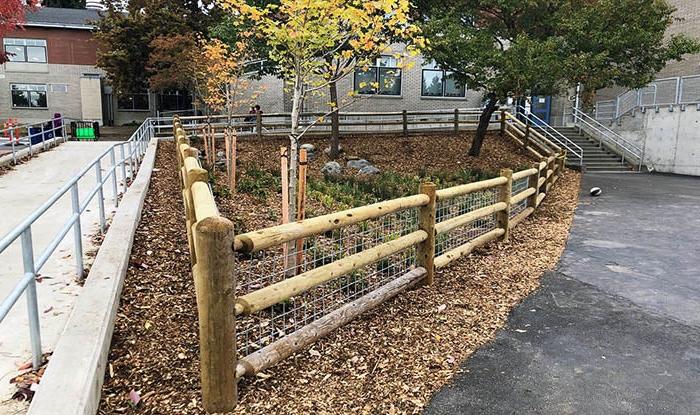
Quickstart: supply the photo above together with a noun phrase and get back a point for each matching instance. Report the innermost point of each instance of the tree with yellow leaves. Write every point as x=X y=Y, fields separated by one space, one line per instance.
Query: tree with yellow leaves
x=316 y=43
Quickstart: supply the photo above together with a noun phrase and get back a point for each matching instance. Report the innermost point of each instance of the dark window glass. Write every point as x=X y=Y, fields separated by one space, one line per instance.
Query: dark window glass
x=28 y=96
x=175 y=101
x=452 y=87
x=432 y=83
x=383 y=78
x=133 y=102
x=389 y=81
x=365 y=81
x=439 y=83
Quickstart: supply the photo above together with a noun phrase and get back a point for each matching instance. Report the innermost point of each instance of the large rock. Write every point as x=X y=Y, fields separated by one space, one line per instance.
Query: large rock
x=369 y=170
x=332 y=168
x=327 y=150
x=358 y=164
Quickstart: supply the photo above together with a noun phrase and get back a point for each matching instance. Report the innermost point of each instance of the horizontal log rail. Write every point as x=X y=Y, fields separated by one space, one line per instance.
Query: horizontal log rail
x=465 y=189
x=277 y=235
x=522 y=195
x=465 y=249
x=467 y=218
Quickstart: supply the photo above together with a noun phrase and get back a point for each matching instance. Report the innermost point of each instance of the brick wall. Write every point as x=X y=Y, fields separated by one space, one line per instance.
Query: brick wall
x=272 y=97
x=689 y=13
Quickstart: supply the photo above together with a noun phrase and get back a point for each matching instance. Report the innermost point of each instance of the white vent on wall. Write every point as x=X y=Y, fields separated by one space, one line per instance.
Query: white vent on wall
x=63 y=88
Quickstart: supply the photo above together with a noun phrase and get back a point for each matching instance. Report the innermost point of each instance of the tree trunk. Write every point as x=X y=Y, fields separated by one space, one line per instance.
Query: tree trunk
x=484 y=121
x=294 y=145
x=335 y=122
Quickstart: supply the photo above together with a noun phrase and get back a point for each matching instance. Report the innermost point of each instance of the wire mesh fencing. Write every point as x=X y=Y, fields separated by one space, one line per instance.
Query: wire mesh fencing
x=519 y=186
x=262 y=269
x=461 y=205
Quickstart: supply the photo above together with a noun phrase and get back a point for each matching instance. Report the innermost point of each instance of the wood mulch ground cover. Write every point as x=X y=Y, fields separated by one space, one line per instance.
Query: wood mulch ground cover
x=391 y=360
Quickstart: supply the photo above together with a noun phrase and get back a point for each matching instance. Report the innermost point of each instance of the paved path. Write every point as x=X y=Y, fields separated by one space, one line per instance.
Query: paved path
x=22 y=190
x=616 y=328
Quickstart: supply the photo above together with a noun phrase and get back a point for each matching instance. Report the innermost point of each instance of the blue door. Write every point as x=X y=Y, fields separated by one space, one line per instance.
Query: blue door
x=541 y=108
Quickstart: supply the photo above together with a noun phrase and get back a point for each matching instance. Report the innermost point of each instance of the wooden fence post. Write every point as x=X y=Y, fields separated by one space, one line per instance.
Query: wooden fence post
x=258 y=124
x=456 y=121
x=562 y=161
x=532 y=183
x=503 y=217
x=503 y=122
x=404 y=114
x=215 y=280
x=425 y=251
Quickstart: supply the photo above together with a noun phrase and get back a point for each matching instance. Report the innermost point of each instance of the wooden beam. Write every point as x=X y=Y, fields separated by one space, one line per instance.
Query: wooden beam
x=468 y=247
x=276 y=235
x=467 y=218
x=215 y=281
x=465 y=189
x=514 y=200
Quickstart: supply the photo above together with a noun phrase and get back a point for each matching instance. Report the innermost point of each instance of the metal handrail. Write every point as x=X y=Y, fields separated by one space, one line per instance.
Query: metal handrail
x=9 y=134
x=610 y=136
x=571 y=147
x=130 y=153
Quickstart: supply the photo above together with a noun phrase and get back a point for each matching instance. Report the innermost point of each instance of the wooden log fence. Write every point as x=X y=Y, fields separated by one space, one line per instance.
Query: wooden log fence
x=213 y=248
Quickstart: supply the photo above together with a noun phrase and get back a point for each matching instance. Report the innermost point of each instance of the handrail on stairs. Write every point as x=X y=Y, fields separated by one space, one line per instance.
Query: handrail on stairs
x=626 y=148
x=571 y=148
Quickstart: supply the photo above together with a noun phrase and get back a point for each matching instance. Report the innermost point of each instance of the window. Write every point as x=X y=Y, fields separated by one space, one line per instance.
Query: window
x=25 y=50
x=381 y=78
x=62 y=88
x=28 y=96
x=133 y=102
x=439 y=83
x=175 y=101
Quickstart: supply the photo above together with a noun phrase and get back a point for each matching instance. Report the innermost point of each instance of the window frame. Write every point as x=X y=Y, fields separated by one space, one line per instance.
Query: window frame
x=443 y=81
x=25 y=49
x=378 y=68
x=29 y=96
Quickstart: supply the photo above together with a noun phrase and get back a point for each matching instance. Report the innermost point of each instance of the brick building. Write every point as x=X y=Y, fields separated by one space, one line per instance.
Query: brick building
x=51 y=68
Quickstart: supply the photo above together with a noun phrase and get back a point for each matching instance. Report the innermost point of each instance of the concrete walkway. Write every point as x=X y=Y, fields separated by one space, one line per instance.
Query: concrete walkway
x=616 y=328
x=22 y=190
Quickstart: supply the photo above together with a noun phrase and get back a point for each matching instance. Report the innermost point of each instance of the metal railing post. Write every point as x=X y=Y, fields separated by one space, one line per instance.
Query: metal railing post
x=32 y=305
x=12 y=141
x=43 y=138
x=100 y=194
x=131 y=161
x=113 y=161
x=77 y=230
x=123 y=165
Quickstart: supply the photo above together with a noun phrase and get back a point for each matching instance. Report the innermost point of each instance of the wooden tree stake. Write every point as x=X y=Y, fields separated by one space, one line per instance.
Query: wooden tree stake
x=301 y=205
x=284 y=171
x=234 y=156
x=425 y=251
x=456 y=120
x=505 y=192
x=503 y=122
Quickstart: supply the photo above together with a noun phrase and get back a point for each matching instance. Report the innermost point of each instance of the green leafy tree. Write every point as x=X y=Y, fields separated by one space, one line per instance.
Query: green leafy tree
x=517 y=48
x=132 y=41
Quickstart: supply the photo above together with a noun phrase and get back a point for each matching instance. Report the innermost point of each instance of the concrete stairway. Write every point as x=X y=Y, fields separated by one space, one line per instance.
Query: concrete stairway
x=595 y=158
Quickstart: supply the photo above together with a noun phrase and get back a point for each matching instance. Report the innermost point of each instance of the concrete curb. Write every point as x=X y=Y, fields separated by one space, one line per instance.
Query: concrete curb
x=52 y=143
x=73 y=379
